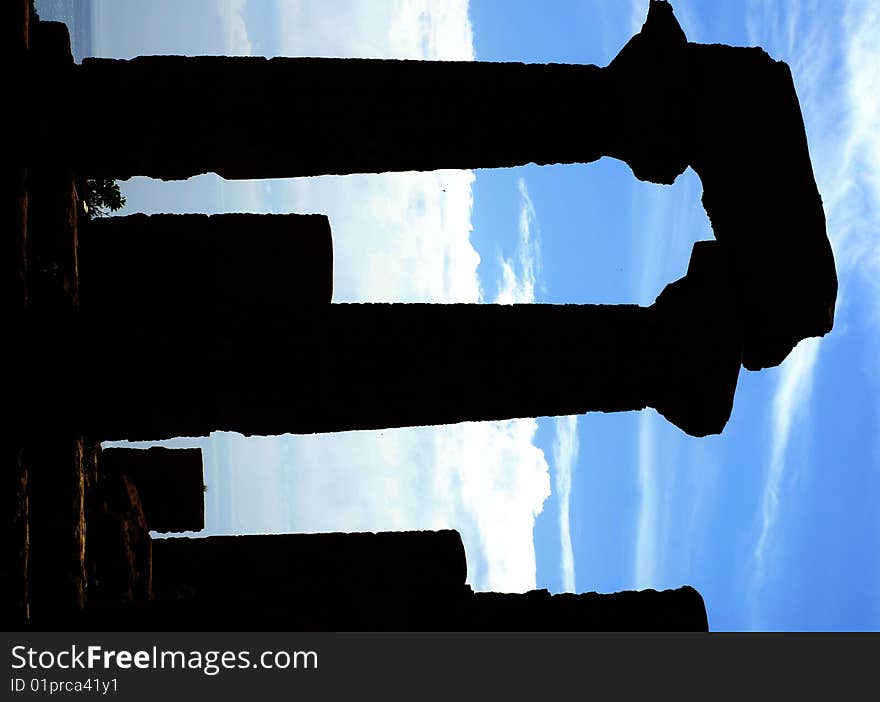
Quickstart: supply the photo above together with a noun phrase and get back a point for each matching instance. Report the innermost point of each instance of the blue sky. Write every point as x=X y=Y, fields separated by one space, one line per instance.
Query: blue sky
x=775 y=521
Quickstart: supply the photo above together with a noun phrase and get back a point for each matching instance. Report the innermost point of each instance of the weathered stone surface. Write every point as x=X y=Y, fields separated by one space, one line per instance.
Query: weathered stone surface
x=199 y=266
x=662 y=105
x=169 y=483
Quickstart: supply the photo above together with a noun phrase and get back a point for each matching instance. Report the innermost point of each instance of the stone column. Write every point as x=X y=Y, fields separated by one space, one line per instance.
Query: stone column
x=344 y=367
x=274 y=118
x=223 y=567
x=395 y=581
x=682 y=609
x=197 y=266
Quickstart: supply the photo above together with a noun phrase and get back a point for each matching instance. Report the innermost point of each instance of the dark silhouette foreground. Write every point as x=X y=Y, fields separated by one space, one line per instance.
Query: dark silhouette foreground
x=183 y=326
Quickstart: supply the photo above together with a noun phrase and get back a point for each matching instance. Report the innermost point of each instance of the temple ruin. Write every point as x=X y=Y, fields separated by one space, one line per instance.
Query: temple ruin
x=149 y=310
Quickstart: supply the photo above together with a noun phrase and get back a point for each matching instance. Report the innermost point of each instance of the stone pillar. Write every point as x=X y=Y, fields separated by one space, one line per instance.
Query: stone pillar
x=318 y=582
x=395 y=581
x=252 y=117
x=218 y=567
x=198 y=266
x=345 y=367
x=682 y=609
x=169 y=482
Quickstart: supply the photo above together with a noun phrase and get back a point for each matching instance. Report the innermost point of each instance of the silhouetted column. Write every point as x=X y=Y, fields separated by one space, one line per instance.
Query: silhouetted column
x=662 y=105
x=343 y=367
x=169 y=482
x=394 y=581
x=283 y=566
x=252 y=117
x=682 y=609
x=188 y=266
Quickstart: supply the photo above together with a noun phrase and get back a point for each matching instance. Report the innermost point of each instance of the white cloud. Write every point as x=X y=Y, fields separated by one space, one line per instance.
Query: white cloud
x=487 y=480
x=566 y=447
x=397 y=237
x=862 y=151
x=789 y=403
x=431 y=29
x=520 y=275
x=404 y=29
x=236 y=35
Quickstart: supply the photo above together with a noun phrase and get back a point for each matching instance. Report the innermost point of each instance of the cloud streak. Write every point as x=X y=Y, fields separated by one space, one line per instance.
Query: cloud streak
x=519 y=275
x=790 y=402
x=566 y=447
x=237 y=41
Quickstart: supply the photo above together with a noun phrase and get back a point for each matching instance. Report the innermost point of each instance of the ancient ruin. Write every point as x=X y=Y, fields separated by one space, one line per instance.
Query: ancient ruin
x=118 y=319
x=663 y=104
x=288 y=368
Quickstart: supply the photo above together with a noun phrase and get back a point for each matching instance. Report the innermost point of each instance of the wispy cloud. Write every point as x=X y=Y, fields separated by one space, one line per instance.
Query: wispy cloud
x=862 y=25
x=519 y=274
x=566 y=447
x=237 y=41
x=789 y=403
